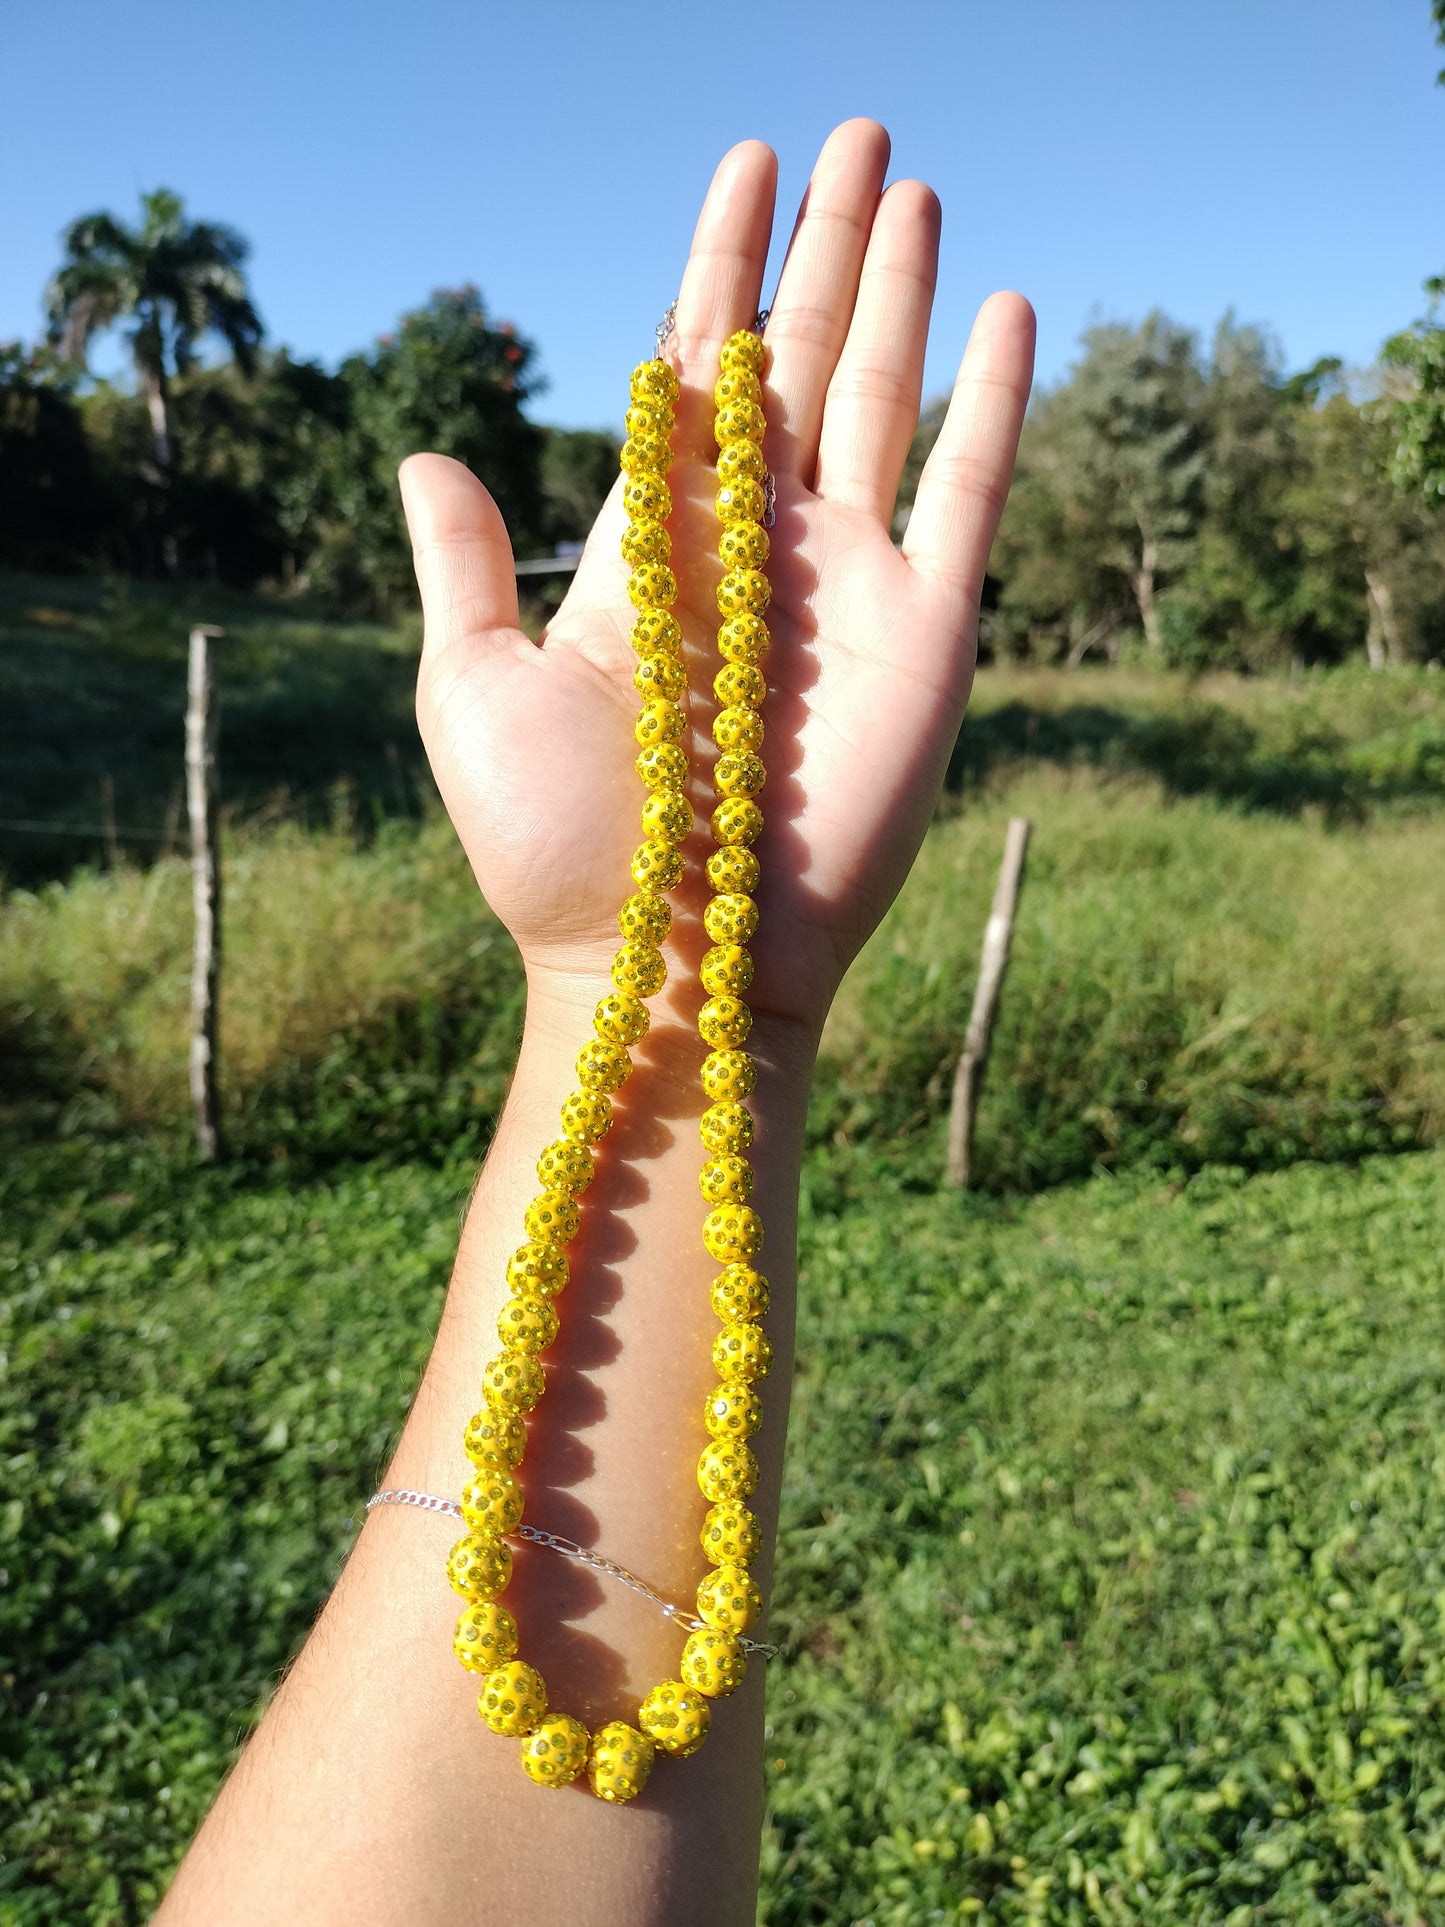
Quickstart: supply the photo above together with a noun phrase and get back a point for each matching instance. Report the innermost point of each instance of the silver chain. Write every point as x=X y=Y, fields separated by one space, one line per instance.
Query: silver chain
x=665 y=327
x=569 y=1548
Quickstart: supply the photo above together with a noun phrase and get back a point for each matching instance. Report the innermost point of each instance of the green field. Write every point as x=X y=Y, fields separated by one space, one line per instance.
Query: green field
x=1111 y=1568
x=1111 y=1571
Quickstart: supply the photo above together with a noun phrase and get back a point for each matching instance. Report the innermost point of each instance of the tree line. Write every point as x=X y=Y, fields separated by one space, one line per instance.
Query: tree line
x=1199 y=505
x=259 y=469
x=1204 y=508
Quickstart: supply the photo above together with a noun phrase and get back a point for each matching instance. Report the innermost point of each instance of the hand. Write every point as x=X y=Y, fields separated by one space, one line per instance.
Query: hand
x=873 y=649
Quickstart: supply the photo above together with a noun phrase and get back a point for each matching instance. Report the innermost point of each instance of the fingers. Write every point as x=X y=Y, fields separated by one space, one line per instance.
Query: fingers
x=724 y=273
x=461 y=553
x=816 y=291
x=871 y=408
x=965 y=482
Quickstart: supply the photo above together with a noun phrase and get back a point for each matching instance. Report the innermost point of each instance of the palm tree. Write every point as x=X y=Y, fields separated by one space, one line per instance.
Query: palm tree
x=175 y=280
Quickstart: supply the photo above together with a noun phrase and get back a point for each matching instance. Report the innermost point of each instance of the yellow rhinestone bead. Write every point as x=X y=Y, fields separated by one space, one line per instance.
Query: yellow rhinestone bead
x=743 y=545
x=650 y=417
x=666 y=816
x=743 y=349
x=587 y=1116
x=739 y=686
x=566 y=1165
x=728 y=1600
x=726 y=969
x=653 y=586
x=739 y=421
x=739 y=1295
x=742 y=1353
x=728 y=1073
x=540 y=1270
x=527 y=1325
x=742 y=592
x=492 y=1503
x=726 y=1127
x=740 y=501
x=657 y=866
x=619 y=1761
x=513 y=1382
x=485 y=1638
x=738 y=776
x=733 y=871
x=737 y=729
x=726 y=1469
x=732 y=1412
x=646 y=499
x=659 y=675
x=556 y=1752
x=479 y=1567
x=601 y=1067
x=737 y=384
x=658 y=721
x=743 y=639
x=552 y=1217
x=645 y=542
x=639 y=967
x=730 y=919
x=656 y=633
x=655 y=382
x=645 y=919
x=741 y=462
x=675 y=1717
x=726 y=1180
x=731 y=1535
x=513 y=1699
x=713 y=1662
x=723 y=1023
x=494 y=1441
x=645 y=455
x=732 y=1232
x=662 y=767
x=621 y=1018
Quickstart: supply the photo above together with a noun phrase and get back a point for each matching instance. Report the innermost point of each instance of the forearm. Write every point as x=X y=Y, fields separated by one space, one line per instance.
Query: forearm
x=372 y=1791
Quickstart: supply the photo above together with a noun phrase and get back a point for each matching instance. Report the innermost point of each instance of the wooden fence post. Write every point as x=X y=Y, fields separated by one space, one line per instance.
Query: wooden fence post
x=201 y=806
x=968 y=1078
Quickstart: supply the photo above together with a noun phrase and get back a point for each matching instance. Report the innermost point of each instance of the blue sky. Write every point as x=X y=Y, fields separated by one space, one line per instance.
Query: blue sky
x=1280 y=157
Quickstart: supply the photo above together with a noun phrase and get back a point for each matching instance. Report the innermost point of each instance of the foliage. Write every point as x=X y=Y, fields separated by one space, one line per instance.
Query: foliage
x=1223 y=513
x=1419 y=415
x=53 y=512
x=450 y=381
x=1213 y=959
x=174 y=280
x=1109 y=1569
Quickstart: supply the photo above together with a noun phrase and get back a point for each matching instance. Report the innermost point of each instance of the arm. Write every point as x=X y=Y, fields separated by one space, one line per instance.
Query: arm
x=371 y=1792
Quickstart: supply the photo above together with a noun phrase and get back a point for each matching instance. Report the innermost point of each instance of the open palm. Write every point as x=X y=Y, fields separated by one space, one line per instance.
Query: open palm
x=872 y=650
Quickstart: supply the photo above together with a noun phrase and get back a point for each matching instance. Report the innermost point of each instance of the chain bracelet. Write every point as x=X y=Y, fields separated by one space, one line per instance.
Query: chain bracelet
x=569 y=1548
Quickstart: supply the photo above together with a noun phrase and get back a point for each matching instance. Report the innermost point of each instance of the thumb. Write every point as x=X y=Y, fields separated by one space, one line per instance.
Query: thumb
x=461 y=554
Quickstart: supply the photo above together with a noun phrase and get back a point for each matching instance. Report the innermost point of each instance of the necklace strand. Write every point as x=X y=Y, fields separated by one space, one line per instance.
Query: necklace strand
x=674 y=1717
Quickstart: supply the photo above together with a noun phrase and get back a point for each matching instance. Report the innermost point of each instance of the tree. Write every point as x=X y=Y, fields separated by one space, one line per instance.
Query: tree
x=451 y=381
x=1371 y=559
x=174 y=280
x=1110 y=487
x=52 y=506
x=1418 y=417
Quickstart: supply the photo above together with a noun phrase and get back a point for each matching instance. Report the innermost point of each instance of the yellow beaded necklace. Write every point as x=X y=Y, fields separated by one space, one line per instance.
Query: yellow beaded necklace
x=675 y=1714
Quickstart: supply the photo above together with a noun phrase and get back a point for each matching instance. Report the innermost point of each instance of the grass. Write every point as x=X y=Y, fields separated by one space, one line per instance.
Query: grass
x=92 y=728
x=1110 y=1569
x=1191 y=983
